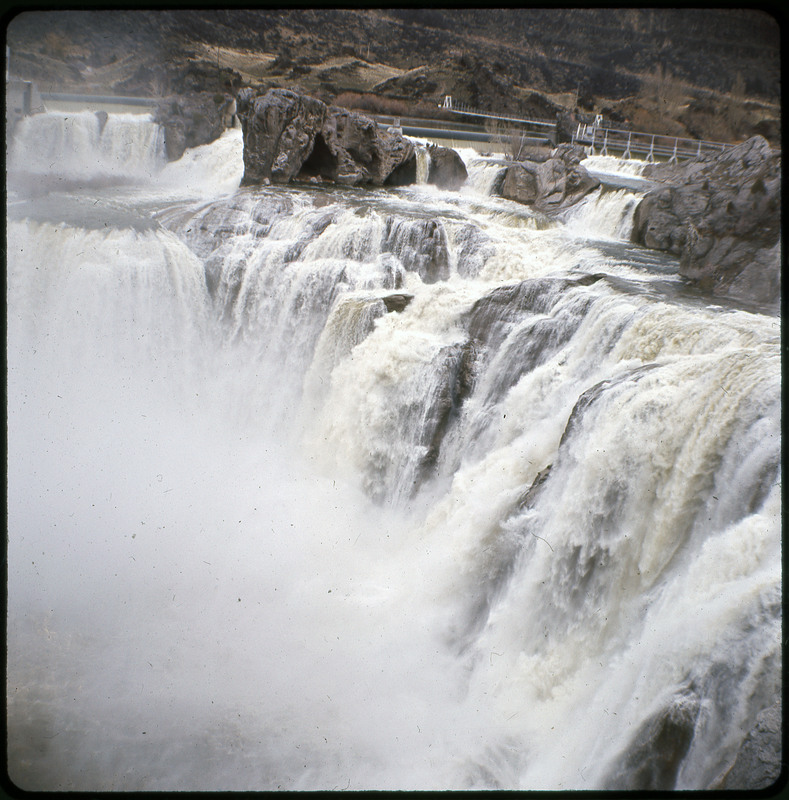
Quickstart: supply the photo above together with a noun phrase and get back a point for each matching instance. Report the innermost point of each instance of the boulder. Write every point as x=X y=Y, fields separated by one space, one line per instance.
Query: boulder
x=722 y=216
x=289 y=135
x=445 y=167
x=352 y=149
x=758 y=762
x=397 y=302
x=552 y=185
x=279 y=130
x=192 y=119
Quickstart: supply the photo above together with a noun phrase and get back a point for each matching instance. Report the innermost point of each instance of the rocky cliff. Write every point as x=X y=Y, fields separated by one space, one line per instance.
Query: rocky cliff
x=289 y=135
x=722 y=216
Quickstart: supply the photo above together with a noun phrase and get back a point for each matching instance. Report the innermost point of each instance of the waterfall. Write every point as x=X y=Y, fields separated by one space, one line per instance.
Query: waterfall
x=81 y=146
x=422 y=163
x=325 y=488
x=608 y=213
x=483 y=175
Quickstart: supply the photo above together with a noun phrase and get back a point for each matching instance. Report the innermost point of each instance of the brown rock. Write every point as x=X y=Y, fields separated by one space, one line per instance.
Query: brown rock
x=446 y=169
x=553 y=184
x=722 y=217
x=279 y=130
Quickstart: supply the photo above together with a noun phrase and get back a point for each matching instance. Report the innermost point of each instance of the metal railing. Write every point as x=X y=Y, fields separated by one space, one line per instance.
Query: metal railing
x=463 y=108
x=98 y=98
x=599 y=137
x=628 y=144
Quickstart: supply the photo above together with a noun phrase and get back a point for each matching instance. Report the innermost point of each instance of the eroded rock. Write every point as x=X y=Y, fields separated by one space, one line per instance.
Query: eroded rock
x=552 y=185
x=353 y=149
x=193 y=119
x=279 y=128
x=446 y=168
x=289 y=135
x=722 y=217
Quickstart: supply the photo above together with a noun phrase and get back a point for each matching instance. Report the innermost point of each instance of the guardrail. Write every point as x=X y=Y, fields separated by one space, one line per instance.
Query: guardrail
x=599 y=136
x=611 y=141
x=463 y=108
x=98 y=98
x=443 y=129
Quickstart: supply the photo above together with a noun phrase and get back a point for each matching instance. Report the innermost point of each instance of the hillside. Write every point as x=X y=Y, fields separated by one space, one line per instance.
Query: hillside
x=695 y=72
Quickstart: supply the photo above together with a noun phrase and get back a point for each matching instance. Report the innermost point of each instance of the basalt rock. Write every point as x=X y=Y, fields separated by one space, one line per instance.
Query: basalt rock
x=397 y=302
x=352 y=149
x=193 y=119
x=446 y=168
x=279 y=130
x=552 y=185
x=722 y=216
x=289 y=135
x=758 y=763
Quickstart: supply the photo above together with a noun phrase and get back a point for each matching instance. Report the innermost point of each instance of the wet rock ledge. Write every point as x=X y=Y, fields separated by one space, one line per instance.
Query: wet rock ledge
x=722 y=216
x=551 y=183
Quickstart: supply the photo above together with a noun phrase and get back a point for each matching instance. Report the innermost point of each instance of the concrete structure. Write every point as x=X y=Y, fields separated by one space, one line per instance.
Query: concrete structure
x=22 y=100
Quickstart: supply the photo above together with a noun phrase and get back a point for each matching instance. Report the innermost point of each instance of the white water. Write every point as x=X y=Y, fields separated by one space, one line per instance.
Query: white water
x=69 y=146
x=263 y=534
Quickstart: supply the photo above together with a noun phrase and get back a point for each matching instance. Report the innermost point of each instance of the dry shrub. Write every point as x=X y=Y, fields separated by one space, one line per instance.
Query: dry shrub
x=664 y=90
x=390 y=106
x=56 y=45
x=512 y=141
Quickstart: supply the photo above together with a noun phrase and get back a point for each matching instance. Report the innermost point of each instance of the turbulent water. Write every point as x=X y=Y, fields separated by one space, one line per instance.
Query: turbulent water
x=267 y=531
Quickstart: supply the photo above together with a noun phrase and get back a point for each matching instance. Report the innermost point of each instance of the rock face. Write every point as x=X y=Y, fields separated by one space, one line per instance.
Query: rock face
x=722 y=217
x=758 y=764
x=353 y=149
x=446 y=168
x=287 y=134
x=193 y=119
x=279 y=130
x=552 y=185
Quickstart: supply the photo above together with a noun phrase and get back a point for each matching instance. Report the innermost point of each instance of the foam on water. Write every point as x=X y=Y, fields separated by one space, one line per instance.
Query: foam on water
x=265 y=534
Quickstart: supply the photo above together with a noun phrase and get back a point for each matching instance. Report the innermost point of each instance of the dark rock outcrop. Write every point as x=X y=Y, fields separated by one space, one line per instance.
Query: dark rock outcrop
x=102 y=117
x=279 y=128
x=193 y=119
x=397 y=302
x=551 y=185
x=446 y=168
x=289 y=135
x=656 y=751
x=758 y=764
x=353 y=149
x=722 y=217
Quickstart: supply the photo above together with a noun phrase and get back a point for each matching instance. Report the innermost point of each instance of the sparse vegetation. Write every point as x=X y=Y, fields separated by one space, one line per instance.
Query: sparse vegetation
x=56 y=45
x=683 y=72
x=378 y=104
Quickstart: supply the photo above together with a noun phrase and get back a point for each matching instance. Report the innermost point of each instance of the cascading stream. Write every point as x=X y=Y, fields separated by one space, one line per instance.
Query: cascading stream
x=330 y=488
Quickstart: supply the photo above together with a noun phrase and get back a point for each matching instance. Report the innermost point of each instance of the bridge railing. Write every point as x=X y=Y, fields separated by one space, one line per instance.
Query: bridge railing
x=464 y=109
x=628 y=144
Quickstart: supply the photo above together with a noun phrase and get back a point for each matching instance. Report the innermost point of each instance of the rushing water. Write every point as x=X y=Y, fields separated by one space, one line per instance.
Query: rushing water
x=266 y=533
